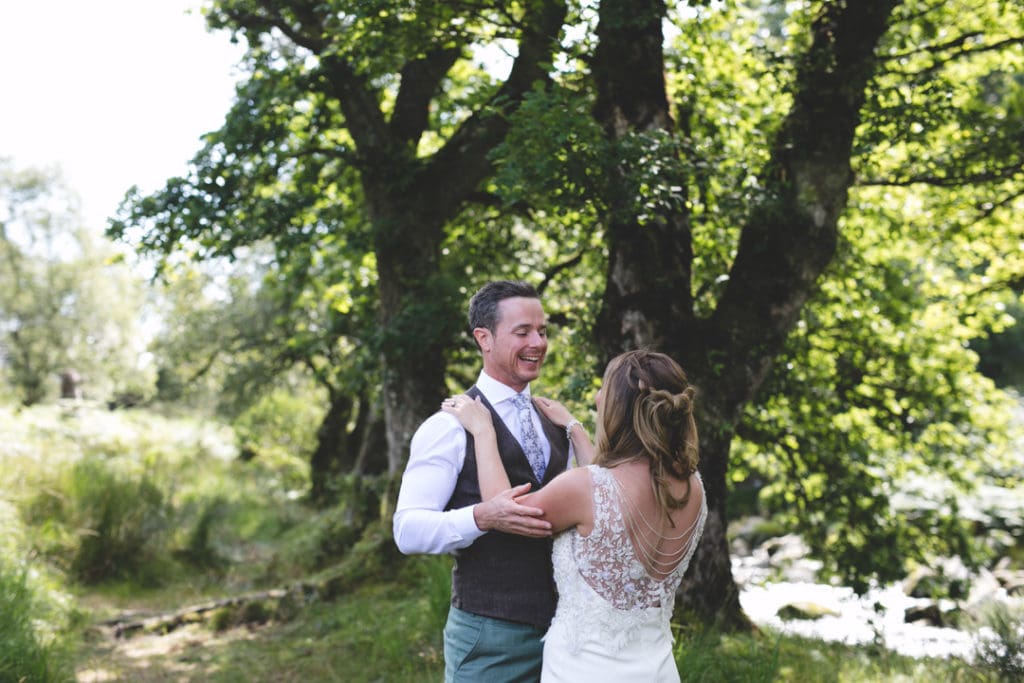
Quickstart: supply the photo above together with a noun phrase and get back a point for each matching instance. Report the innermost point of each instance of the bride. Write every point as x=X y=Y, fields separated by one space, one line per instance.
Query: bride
x=631 y=520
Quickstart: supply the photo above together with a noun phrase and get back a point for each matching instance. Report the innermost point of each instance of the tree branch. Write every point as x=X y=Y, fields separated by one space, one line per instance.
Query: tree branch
x=791 y=234
x=359 y=102
x=455 y=170
x=421 y=79
x=962 y=180
x=558 y=268
x=951 y=47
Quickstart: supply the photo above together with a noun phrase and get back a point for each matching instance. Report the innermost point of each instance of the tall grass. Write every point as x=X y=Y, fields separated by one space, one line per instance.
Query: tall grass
x=123 y=520
x=1000 y=643
x=34 y=620
x=23 y=656
x=131 y=495
x=25 y=653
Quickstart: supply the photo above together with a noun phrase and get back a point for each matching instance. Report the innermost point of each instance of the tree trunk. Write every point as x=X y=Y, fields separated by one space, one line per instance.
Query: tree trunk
x=411 y=199
x=418 y=315
x=785 y=245
x=708 y=589
x=333 y=455
x=413 y=387
x=372 y=435
x=649 y=262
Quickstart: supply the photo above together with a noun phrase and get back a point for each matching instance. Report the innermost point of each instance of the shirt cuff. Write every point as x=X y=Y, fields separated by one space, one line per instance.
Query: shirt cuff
x=465 y=525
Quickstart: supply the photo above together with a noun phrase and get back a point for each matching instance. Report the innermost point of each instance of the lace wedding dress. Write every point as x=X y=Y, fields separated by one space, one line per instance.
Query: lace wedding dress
x=612 y=620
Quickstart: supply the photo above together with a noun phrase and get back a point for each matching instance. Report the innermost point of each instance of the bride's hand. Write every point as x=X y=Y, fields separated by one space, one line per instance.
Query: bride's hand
x=472 y=414
x=553 y=410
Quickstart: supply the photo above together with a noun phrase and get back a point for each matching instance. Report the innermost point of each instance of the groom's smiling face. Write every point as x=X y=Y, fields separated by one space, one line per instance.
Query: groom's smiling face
x=514 y=352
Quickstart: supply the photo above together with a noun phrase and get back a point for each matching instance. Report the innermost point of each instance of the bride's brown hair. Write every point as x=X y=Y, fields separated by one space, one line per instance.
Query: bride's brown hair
x=647 y=412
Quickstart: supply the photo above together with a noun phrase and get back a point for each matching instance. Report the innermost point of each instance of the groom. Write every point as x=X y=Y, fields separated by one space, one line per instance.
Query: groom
x=503 y=594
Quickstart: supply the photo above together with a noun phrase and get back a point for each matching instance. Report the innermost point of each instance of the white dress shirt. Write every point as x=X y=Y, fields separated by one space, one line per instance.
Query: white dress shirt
x=438 y=449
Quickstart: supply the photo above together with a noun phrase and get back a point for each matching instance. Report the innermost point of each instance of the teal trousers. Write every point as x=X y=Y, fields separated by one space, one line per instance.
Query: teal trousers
x=482 y=649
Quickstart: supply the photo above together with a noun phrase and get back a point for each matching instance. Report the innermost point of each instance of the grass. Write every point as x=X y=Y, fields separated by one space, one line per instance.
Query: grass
x=221 y=527
x=27 y=652
x=767 y=656
x=385 y=632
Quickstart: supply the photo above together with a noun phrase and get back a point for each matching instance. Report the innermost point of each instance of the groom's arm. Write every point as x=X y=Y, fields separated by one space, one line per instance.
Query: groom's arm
x=421 y=524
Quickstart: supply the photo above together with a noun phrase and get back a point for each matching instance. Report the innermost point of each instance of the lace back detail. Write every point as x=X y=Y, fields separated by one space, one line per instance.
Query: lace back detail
x=605 y=590
x=648 y=541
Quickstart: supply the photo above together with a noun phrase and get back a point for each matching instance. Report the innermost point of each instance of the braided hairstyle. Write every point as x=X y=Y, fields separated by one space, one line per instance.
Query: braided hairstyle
x=647 y=412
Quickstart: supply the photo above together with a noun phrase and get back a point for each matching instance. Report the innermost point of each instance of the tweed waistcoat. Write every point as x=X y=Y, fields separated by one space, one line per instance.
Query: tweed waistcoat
x=503 y=575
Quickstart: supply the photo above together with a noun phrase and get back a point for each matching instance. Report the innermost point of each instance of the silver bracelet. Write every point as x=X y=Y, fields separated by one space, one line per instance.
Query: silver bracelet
x=568 y=428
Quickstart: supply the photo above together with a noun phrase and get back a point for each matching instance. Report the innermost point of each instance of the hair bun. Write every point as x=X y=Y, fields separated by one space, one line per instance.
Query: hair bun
x=668 y=402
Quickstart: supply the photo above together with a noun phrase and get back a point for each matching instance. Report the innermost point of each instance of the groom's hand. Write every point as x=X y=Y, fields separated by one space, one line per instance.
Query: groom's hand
x=503 y=513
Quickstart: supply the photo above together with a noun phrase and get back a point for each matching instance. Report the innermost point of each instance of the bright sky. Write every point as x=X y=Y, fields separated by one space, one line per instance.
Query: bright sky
x=115 y=92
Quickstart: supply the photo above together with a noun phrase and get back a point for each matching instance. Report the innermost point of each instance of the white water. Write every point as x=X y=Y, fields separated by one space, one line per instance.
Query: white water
x=858 y=621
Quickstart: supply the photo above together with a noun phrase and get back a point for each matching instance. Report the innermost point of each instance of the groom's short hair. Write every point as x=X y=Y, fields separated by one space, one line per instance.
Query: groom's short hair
x=483 y=307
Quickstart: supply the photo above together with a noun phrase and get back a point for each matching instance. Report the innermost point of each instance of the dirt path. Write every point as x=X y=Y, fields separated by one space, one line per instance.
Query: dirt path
x=185 y=654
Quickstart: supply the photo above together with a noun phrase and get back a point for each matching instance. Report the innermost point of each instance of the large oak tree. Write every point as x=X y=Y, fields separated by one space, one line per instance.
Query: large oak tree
x=719 y=227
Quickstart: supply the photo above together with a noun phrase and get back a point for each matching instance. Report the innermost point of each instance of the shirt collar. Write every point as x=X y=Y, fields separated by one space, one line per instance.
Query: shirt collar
x=495 y=391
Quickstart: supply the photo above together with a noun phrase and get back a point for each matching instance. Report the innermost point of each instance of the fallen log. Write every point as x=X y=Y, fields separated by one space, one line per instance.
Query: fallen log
x=127 y=625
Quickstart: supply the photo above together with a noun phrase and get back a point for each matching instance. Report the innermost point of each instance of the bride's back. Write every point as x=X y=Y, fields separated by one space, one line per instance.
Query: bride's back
x=647 y=443
x=659 y=541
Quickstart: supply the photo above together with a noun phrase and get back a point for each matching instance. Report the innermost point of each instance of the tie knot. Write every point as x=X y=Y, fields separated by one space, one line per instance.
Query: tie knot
x=521 y=401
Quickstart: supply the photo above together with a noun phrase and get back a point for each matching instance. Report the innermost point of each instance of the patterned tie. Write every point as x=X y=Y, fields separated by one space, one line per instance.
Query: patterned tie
x=528 y=436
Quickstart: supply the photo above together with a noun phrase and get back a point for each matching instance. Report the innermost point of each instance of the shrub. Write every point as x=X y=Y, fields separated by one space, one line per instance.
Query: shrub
x=123 y=519
x=199 y=549
x=100 y=524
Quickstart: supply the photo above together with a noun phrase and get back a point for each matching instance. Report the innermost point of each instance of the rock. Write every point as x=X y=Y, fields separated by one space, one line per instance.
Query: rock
x=739 y=546
x=985 y=587
x=754 y=530
x=1012 y=580
x=915 y=584
x=783 y=549
x=804 y=570
x=805 y=610
x=927 y=613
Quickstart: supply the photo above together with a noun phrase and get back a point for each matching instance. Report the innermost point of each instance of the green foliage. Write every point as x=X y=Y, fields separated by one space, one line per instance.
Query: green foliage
x=323 y=537
x=877 y=389
x=1001 y=643
x=25 y=653
x=432 y=575
x=280 y=429
x=946 y=109
x=119 y=520
x=878 y=386
x=199 y=548
x=125 y=495
x=36 y=616
x=217 y=349
x=1001 y=355
x=555 y=157
x=729 y=103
